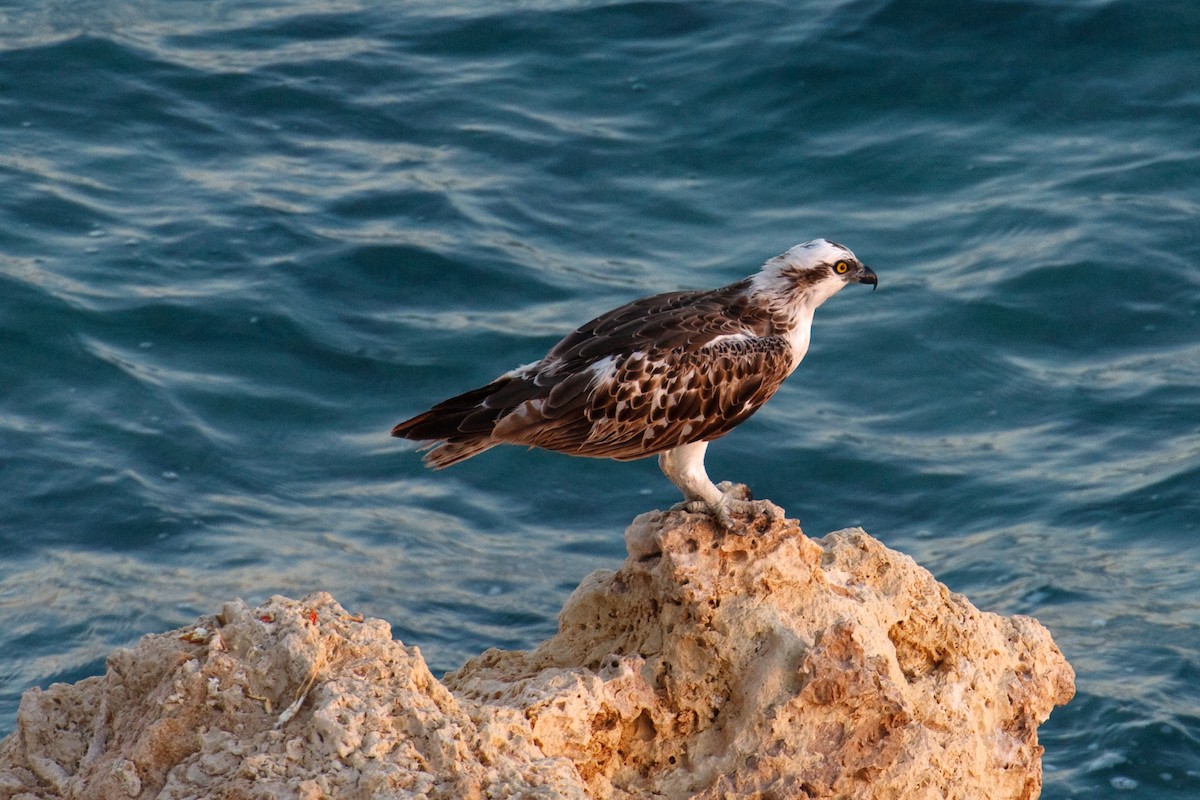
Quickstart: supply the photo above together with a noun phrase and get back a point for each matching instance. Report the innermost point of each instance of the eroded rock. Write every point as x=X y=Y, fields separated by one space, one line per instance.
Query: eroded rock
x=709 y=665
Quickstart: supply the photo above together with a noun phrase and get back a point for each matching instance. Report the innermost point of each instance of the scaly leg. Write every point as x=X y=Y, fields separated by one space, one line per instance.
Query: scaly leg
x=684 y=467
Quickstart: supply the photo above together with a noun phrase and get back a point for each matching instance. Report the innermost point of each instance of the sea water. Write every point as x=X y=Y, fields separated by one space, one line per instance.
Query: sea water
x=240 y=240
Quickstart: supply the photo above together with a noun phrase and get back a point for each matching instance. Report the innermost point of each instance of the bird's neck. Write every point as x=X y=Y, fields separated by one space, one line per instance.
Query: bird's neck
x=780 y=310
x=794 y=322
x=791 y=315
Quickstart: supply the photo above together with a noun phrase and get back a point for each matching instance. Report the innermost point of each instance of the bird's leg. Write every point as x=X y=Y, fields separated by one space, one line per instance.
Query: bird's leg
x=684 y=467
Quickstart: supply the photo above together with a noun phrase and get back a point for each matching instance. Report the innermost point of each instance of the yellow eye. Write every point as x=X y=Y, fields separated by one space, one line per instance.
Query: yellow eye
x=841 y=267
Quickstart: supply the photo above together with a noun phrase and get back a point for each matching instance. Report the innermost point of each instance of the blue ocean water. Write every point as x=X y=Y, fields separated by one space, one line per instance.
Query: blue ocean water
x=239 y=241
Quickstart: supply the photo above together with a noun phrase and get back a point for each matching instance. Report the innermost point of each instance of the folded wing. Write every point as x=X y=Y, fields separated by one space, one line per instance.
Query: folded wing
x=647 y=377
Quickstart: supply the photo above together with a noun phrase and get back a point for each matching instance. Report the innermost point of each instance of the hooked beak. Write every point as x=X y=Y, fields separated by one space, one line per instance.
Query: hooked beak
x=868 y=276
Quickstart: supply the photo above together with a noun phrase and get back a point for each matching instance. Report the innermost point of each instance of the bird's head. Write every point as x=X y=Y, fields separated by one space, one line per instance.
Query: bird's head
x=813 y=272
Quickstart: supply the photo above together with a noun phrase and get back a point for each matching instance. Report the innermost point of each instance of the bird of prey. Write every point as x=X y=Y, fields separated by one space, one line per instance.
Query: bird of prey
x=664 y=375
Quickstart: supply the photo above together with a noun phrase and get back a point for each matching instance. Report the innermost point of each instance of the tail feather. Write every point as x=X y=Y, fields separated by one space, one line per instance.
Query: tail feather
x=430 y=426
x=448 y=453
x=441 y=432
x=457 y=416
x=461 y=427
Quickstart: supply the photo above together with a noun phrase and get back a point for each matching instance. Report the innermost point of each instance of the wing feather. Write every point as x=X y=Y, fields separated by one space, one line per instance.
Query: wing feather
x=663 y=322
x=655 y=402
x=646 y=377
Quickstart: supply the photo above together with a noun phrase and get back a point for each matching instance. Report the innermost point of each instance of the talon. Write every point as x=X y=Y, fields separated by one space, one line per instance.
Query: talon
x=748 y=510
x=743 y=508
x=727 y=524
x=720 y=513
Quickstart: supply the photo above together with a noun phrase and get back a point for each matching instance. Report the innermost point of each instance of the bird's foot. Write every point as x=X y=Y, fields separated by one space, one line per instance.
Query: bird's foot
x=735 y=500
x=735 y=491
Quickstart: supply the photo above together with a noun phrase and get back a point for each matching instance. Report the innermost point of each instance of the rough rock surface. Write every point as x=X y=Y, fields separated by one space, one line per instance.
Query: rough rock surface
x=709 y=665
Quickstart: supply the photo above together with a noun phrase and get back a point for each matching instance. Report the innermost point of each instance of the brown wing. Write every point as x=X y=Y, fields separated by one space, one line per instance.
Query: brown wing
x=646 y=403
x=645 y=377
x=661 y=323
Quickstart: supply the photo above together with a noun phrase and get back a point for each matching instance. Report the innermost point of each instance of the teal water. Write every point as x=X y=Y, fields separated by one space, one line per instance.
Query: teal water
x=239 y=241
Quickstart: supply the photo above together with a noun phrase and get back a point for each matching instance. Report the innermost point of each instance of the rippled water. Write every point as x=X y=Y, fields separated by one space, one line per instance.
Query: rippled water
x=239 y=241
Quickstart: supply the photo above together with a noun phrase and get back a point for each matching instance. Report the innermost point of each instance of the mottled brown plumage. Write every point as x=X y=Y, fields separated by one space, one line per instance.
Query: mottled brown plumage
x=654 y=376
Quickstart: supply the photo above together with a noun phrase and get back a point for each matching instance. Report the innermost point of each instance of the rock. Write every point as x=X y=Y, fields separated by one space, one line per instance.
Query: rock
x=710 y=665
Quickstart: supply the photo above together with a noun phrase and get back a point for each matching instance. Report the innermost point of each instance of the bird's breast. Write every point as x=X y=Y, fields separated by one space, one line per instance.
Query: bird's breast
x=798 y=337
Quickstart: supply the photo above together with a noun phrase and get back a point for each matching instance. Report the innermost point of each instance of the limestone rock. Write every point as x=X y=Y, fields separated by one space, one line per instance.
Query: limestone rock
x=289 y=700
x=710 y=665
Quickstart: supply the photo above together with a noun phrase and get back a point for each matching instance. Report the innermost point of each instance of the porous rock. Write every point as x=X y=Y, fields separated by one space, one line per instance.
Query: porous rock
x=710 y=665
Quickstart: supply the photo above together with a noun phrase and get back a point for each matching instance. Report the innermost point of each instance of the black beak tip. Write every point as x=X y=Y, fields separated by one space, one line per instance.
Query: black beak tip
x=869 y=276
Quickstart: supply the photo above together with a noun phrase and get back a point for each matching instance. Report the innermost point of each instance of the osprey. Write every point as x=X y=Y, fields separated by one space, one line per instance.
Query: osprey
x=664 y=375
